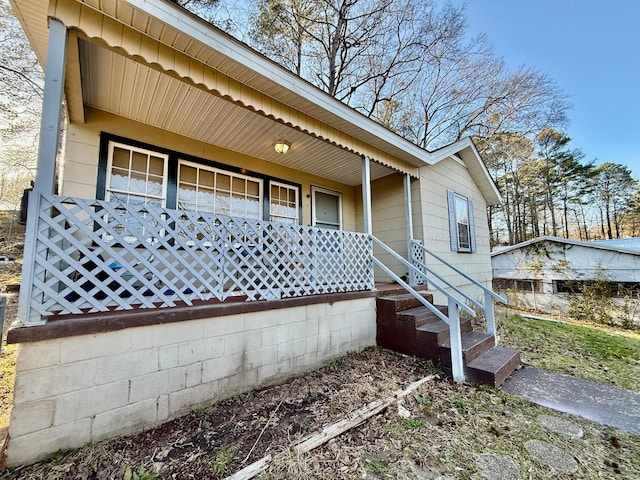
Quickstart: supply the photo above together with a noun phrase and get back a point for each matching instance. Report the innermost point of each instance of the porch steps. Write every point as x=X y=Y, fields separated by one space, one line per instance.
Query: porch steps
x=407 y=326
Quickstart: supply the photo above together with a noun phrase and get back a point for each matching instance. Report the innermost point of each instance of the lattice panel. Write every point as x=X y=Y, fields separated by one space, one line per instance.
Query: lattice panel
x=96 y=256
x=417 y=260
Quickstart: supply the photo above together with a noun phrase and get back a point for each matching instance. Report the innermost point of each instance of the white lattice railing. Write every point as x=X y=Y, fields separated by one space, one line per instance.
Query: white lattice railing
x=97 y=256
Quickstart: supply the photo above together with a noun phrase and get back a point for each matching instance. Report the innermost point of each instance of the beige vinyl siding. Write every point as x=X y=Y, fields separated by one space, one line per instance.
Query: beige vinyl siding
x=388 y=220
x=435 y=180
x=82 y=152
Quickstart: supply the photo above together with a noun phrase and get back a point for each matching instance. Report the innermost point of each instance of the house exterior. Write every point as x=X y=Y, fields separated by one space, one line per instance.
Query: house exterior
x=210 y=223
x=546 y=273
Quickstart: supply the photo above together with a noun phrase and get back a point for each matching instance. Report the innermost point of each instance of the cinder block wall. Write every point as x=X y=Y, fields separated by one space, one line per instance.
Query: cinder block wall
x=75 y=390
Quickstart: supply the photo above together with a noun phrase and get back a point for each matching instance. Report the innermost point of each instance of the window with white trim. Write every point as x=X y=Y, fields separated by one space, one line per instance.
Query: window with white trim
x=283 y=203
x=208 y=189
x=461 y=225
x=136 y=175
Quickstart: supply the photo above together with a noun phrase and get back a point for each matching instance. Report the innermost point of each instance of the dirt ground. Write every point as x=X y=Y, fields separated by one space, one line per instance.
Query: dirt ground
x=441 y=430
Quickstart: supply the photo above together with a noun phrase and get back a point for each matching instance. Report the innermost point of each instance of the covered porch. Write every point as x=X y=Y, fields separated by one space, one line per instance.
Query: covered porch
x=100 y=246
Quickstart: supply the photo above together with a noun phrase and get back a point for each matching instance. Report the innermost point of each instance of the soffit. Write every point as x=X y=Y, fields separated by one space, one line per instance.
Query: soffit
x=124 y=87
x=177 y=29
x=307 y=154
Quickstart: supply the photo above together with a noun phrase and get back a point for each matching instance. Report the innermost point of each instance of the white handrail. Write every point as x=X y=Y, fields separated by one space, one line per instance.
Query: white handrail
x=454 y=305
x=460 y=272
x=440 y=288
x=411 y=290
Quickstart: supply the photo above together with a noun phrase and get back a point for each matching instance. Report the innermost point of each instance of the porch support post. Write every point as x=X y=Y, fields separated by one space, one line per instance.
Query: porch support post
x=46 y=168
x=51 y=107
x=366 y=195
x=408 y=215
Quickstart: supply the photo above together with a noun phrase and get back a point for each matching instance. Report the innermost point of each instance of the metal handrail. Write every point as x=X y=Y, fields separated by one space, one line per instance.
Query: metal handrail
x=411 y=290
x=460 y=272
x=452 y=319
x=412 y=267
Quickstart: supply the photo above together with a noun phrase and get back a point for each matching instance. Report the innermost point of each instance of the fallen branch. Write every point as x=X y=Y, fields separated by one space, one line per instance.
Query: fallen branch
x=252 y=470
x=356 y=418
x=332 y=431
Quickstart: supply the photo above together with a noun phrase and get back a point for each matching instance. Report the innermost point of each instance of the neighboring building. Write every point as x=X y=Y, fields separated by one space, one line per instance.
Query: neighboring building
x=545 y=273
x=187 y=255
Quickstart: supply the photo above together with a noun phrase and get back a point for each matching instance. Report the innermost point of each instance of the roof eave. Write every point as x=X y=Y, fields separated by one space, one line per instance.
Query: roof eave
x=469 y=154
x=246 y=57
x=566 y=241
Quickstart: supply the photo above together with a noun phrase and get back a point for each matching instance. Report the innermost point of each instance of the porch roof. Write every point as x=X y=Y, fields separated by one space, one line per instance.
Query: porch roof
x=191 y=69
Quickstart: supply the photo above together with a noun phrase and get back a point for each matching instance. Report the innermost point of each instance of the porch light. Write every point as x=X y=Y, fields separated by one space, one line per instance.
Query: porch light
x=281 y=146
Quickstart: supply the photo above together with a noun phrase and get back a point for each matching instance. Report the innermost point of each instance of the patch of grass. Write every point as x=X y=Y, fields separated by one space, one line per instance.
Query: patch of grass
x=140 y=474
x=587 y=352
x=10 y=274
x=426 y=402
x=412 y=423
x=377 y=466
x=7 y=376
x=461 y=405
x=219 y=464
x=336 y=364
x=206 y=409
x=428 y=367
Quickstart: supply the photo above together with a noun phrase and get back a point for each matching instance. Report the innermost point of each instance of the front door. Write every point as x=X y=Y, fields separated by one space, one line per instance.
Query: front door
x=327 y=208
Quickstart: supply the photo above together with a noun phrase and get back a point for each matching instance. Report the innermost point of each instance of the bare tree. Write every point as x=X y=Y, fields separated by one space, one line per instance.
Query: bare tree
x=21 y=89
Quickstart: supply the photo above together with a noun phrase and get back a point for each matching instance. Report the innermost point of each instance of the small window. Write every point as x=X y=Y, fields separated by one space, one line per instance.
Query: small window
x=207 y=189
x=461 y=227
x=136 y=175
x=525 y=286
x=283 y=203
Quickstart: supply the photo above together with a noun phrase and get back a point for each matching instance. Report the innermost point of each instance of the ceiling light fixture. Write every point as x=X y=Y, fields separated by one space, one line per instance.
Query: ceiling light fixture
x=281 y=146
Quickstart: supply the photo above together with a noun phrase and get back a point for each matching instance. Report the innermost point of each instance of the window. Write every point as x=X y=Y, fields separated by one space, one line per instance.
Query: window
x=461 y=227
x=208 y=189
x=283 y=203
x=136 y=175
x=525 y=286
x=135 y=172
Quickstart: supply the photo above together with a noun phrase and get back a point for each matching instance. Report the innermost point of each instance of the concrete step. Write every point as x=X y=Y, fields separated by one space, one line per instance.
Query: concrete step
x=474 y=344
x=493 y=367
x=398 y=290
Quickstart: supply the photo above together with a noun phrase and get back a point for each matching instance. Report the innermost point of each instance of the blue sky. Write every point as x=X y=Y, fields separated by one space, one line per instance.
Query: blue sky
x=591 y=49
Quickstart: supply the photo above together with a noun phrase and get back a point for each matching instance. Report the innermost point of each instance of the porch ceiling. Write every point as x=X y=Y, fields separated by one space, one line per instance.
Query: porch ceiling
x=125 y=87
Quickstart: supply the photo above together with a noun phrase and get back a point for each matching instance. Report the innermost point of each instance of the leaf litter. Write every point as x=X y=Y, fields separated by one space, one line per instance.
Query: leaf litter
x=439 y=430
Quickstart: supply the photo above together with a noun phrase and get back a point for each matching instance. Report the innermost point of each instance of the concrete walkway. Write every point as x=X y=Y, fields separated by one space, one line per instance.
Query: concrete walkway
x=594 y=401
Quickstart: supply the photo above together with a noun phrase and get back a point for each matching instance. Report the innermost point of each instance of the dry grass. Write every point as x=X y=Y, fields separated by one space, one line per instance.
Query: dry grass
x=11 y=245
x=449 y=427
x=7 y=362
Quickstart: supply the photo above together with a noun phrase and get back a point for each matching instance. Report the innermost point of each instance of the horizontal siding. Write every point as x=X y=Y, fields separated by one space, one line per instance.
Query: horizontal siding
x=82 y=148
x=435 y=180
